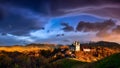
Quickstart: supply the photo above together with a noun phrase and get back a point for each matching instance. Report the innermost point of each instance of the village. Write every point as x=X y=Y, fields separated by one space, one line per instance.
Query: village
x=83 y=53
x=71 y=49
x=49 y=54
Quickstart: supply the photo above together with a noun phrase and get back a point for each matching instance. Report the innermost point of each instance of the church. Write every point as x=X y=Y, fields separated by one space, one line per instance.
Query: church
x=75 y=46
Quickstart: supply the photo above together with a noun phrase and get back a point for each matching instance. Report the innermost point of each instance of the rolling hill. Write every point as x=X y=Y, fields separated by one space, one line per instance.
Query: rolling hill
x=112 y=61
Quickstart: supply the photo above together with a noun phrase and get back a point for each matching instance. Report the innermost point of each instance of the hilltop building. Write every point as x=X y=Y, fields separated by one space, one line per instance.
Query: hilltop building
x=75 y=46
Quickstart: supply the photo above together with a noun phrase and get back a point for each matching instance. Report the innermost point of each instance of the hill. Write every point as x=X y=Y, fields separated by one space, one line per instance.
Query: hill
x=102 y=43
x=112 y=61
x=67 y=63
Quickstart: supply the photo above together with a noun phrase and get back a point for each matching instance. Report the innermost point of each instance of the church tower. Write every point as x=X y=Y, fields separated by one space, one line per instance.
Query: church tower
x=76 y=45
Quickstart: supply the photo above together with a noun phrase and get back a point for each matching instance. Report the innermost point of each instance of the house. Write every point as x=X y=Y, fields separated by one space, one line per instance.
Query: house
x=86 y=49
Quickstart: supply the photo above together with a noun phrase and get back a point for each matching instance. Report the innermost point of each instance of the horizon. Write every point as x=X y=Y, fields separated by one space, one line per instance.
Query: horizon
x=59 y=21
x=81 y=43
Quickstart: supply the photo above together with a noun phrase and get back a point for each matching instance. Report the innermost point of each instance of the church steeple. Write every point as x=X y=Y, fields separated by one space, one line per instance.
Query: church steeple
x=76 y=44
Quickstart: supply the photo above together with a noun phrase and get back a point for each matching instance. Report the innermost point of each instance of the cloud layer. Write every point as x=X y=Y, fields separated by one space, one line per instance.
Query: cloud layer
x=19 y=21
x=56 y=21
x=102 y=28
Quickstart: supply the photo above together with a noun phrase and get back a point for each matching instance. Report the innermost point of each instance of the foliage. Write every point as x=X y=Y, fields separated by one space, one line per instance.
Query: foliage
x=20 y=60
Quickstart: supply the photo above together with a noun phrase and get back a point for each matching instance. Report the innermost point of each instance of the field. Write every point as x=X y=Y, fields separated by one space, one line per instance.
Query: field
x=22 y=49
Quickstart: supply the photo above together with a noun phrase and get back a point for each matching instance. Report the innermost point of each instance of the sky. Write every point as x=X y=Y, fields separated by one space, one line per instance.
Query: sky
x=59 y=21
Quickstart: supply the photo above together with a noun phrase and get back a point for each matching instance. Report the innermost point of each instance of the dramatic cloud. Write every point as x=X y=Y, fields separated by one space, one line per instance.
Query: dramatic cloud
x=19 y=21
x=97 y=26
x=106 y=31
x=17 y=25
x=106 y=11
x=40 y=21
x=67 y=27
x=100 y=8
x=102 y=28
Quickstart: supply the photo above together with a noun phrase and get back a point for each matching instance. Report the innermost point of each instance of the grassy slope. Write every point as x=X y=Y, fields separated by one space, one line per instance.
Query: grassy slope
x=68 y=63
x=112 y=61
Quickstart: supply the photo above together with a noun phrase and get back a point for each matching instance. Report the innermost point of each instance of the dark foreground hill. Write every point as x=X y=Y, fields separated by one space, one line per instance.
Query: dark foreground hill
x=112 y=61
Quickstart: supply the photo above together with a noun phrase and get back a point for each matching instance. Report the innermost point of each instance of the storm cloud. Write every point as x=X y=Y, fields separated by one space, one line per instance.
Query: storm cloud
x=100 y=8
x=19 y=21
x=17 y=25
x=102 y=28
x=97 y=26
x=67 y=27
x=41 y=20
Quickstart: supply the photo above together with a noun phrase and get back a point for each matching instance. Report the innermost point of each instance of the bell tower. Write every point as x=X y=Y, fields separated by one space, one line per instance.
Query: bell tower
x=76 y=45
